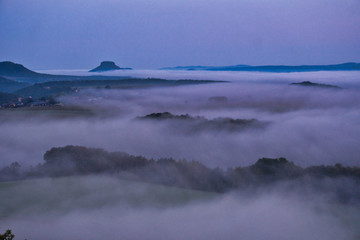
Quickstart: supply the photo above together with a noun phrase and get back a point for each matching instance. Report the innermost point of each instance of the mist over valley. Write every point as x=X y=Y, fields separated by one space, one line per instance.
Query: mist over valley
x=206 y=153
x=158 y=120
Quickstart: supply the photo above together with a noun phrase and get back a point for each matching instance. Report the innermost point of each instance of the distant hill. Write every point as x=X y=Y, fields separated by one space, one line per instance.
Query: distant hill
x=19 y=73
x=205 y=68
x=274 y=68
x=7 y=85
x=318 y=85
x=14 y=69
x=107 y=66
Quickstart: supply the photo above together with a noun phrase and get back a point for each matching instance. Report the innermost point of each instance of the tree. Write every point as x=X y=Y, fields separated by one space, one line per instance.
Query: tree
x=7 y=235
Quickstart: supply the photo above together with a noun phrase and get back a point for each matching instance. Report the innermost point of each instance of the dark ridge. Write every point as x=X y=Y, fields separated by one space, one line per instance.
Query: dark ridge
x=274 y=68
x=77 y=160
x=194 y=124
x=7 y=85
x=17 y=70
x=318 y=85
x=107 y=66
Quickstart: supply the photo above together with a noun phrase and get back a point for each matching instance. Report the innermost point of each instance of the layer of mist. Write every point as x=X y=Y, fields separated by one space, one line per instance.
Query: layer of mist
x=310 y=126
x=102 y=207
x=343 y=78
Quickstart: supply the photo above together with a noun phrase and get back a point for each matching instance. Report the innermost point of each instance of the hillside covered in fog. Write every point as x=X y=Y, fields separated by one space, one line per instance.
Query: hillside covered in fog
x=266 y=172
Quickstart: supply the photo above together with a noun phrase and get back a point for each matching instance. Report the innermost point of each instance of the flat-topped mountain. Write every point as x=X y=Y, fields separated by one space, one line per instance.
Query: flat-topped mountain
x=106 y=66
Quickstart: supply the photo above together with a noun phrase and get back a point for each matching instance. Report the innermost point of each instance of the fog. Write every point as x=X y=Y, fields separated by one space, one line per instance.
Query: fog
x=306 y=125
x=343 y=78
x=309 y=126
x=106 y=208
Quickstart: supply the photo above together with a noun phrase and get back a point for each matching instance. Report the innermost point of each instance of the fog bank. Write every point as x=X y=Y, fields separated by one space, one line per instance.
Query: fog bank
x=106 y=208
x=309 y=126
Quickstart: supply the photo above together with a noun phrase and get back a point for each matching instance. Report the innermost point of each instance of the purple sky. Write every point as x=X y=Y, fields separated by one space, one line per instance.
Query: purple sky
x=50 y=34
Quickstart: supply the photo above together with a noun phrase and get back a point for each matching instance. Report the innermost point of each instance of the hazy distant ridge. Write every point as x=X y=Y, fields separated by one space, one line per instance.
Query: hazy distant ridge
x=274 y=68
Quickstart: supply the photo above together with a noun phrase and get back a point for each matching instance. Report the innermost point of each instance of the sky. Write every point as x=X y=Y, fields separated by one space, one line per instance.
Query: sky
x=145 y=34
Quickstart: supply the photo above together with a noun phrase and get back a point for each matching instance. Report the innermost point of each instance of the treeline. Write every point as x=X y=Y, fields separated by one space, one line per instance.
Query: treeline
x=77 y=160
x=199 y=123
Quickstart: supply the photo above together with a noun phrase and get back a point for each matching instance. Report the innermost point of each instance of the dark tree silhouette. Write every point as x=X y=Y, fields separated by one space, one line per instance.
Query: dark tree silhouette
x=7 y=235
